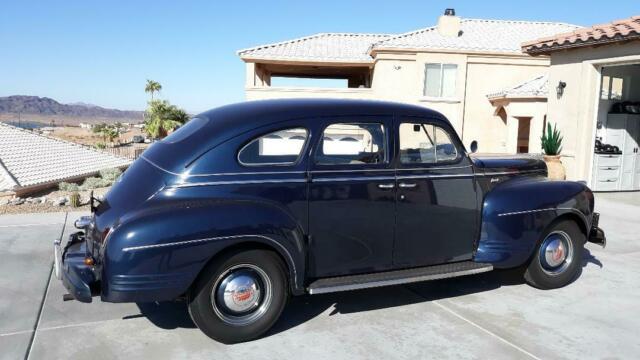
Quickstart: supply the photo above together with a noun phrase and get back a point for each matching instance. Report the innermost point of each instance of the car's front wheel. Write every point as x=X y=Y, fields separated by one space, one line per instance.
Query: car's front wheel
x=558 y=258
x=239 y=297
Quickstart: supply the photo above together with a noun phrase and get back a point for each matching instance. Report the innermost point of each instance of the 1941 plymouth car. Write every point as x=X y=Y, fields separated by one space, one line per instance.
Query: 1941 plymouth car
x=248 y=204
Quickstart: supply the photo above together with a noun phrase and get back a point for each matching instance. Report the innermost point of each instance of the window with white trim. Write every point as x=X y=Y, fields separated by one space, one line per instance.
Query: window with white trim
x=440 y=80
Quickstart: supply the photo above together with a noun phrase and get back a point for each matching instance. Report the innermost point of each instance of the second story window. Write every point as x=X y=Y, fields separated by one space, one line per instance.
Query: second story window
x=440 y=80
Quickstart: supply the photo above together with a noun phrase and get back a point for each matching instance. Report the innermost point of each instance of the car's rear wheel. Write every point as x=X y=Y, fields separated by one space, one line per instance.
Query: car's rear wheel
x=239 y=296
x=558 y=257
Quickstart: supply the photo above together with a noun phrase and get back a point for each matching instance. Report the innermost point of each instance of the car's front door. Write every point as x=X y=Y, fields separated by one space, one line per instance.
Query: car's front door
x=436 y=216
x=351 y=197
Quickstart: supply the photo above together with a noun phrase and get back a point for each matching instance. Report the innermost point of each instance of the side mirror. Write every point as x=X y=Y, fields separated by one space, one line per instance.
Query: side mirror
x=474 y=146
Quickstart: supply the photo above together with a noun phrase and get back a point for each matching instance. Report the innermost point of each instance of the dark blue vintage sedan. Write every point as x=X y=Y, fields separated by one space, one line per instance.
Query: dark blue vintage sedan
x=250 y=203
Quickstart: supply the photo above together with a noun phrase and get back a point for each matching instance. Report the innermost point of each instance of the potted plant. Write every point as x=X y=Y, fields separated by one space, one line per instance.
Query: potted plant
x=552 y=146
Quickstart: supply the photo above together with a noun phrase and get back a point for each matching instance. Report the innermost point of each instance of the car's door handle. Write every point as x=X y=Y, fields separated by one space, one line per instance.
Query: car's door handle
x=407 y=185
x=386 y=186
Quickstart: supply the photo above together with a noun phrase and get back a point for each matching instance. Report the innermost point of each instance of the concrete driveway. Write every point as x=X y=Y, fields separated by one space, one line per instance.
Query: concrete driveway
x=491 y=315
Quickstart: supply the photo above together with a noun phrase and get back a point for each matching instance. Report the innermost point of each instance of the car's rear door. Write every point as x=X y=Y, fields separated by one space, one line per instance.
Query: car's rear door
x=351 y=196
x=436 y=216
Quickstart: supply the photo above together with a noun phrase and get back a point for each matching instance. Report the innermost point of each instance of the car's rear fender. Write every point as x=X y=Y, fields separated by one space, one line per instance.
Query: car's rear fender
x=517 y=212
x=157 y=252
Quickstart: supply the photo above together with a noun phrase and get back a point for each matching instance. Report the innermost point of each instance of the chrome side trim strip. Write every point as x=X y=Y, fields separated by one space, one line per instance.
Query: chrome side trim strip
x=205 y=240
x=533 y=211
x=223 y=174
x=364 y=178
x=349 y=171
x=337 y=288
x=435 y=176
x=435 y=168
x=514 y=172
x=237 y=182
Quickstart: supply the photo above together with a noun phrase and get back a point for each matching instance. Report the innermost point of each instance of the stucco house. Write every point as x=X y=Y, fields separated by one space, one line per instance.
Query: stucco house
x=594 y=94
x=471 y=70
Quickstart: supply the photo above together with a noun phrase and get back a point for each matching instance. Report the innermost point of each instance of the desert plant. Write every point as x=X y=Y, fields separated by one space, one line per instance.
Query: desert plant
x=551 y=141
x=74 y=199
x=94 y=183
x=110 y=174
x=65 y=186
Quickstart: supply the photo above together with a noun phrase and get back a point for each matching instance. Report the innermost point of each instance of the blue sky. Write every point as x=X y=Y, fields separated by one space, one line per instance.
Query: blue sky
x=103 y=52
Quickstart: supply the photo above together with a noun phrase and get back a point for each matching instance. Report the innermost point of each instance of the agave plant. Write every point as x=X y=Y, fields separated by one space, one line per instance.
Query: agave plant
x=551 y=141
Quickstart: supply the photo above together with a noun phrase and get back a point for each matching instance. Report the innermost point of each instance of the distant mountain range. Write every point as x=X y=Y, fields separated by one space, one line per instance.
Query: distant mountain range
x=43 y=107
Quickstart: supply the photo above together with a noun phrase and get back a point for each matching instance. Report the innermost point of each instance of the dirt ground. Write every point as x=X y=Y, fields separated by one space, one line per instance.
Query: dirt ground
x=87 y=137
x=48 y=206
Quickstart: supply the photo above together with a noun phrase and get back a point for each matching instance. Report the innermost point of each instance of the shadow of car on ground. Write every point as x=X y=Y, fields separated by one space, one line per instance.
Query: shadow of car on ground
x=300 y=309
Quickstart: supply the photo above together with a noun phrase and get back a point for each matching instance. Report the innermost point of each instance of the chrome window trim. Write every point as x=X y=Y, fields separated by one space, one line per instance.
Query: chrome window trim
x=387 y=143
x=459 y=155
x=204 y=240
x=303 y=149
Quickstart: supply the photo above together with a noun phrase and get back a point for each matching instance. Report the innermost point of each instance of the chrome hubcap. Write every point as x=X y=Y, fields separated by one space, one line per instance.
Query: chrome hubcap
x=556 y=253
x=241 y=294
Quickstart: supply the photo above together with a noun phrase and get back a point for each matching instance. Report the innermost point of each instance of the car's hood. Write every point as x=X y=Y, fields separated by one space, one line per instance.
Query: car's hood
x=509 y=163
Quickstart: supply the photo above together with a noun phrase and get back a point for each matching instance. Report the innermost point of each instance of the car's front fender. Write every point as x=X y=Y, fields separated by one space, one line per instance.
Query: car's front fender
x=518 y=212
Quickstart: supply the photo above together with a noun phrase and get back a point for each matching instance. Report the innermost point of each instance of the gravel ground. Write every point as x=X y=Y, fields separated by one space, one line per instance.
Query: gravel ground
x=28 y=207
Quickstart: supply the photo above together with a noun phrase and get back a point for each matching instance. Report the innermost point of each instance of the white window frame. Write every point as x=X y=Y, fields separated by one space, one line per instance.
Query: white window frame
x=439 y=96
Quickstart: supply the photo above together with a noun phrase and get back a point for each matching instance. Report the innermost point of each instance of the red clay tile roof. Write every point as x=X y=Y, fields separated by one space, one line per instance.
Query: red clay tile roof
x=616 y=31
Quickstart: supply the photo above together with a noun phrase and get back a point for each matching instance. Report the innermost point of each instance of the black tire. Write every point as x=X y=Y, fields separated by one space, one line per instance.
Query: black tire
x=542 y=276
x=216 y=322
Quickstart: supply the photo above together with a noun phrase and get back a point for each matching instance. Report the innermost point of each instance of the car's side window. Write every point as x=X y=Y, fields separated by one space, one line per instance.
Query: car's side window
x=352 y=143
x=425 y=144
x=282 y=147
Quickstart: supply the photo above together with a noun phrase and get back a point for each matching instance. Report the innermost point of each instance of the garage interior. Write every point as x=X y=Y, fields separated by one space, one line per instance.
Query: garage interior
x=616 y=160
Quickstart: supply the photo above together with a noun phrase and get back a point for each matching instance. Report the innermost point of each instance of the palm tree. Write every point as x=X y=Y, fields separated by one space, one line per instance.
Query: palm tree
x=152 y=87
x=161 y=118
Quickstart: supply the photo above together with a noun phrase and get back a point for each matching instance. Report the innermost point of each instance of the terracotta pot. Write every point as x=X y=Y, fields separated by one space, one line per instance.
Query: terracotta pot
x=555 y=169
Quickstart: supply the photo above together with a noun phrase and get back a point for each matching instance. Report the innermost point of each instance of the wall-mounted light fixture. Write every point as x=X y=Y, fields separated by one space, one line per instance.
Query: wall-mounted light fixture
x=560 y=88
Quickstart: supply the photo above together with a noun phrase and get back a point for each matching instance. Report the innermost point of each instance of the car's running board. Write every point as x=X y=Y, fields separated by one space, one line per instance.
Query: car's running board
x=354 y=282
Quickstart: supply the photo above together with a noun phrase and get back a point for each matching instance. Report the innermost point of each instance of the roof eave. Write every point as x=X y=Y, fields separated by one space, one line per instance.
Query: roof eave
x=539 y=48
x=514 y=53
x=306 y=61
x=494 y=98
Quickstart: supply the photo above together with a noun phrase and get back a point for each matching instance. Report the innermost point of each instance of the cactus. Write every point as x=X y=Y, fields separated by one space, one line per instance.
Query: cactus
x=74 y=199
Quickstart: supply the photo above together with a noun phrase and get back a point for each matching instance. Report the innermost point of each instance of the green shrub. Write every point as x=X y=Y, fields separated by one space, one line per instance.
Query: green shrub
x=100 y=145
x=551 y=141
x=65 y=186
x=110 y=174
x=94 y=183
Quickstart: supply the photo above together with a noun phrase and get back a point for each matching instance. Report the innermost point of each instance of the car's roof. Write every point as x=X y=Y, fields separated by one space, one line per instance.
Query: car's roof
x=226 y=122
x=264 y=112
